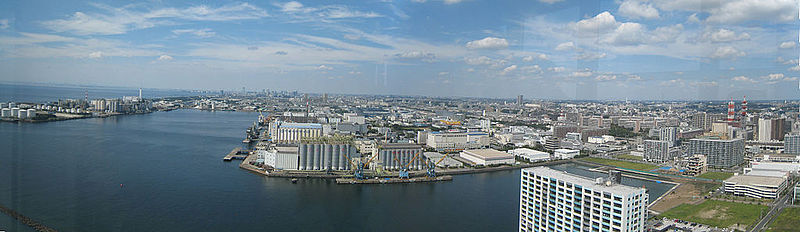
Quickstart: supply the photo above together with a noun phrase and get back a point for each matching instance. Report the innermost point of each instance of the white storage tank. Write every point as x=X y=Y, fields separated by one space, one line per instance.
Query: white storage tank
x=12 y=105
x=31 y=113
x=14 y=112
x=22 y=114
x=6 y=112
x=3 y=105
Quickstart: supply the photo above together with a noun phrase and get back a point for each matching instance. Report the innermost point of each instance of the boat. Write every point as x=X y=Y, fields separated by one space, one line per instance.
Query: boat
x=294 y=180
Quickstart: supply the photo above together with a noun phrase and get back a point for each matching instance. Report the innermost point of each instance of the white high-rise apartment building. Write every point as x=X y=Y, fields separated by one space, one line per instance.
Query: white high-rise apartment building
x=552 y=200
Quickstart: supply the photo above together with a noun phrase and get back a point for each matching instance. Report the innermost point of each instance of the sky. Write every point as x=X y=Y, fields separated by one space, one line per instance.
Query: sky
x=542 y=49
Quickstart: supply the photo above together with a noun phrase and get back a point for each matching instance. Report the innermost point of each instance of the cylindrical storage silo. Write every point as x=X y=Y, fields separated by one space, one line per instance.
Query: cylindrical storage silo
x=302 y=157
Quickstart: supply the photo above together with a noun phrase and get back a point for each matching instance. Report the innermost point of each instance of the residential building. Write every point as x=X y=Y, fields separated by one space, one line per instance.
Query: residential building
x=656 y=150
x=719 y=153
x=555 y=201
x=771 y=129
x=791 y=143
x=669 y=134
x=696 y=165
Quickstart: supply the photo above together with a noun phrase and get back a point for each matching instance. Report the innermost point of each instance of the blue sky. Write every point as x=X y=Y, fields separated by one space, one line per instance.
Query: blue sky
x=548 y=49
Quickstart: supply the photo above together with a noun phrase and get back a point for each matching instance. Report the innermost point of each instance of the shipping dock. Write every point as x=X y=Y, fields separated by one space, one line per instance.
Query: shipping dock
x=393 y=180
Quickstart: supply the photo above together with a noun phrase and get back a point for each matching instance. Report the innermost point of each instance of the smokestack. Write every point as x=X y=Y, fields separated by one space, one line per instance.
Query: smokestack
x=731 y=110
x=140 y=93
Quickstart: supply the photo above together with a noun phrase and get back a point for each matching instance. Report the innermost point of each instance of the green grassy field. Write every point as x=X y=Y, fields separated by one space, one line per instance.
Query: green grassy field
x=621 y=164
x=786 y=221
x=628 y=157
x=716 y=175
x=717 y=213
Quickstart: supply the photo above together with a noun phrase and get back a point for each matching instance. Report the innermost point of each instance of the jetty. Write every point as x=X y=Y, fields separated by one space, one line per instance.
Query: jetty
x=236 y=153
x=393 y=180
x=26 y=220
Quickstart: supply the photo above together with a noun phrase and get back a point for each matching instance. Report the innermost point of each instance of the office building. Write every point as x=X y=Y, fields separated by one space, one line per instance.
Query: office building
x=397 y=156
x=719 y=153
x=487 y=157
x=656 y=150
x=552 y=143
x=555 y=201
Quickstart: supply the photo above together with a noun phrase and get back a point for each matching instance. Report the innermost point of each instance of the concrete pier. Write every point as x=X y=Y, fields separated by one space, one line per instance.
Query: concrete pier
x=234 y=154
x=393 y=180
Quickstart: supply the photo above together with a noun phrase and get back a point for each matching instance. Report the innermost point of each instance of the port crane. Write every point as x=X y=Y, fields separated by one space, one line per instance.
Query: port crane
x=404 y=168
x=359 y=166
x=431 y=166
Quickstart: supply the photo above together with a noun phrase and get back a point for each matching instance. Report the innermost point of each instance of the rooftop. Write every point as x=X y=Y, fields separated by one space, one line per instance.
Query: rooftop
x=618 y=189
x=756 y=180
x=400 y=146
x=301 y=125
x=489 y=153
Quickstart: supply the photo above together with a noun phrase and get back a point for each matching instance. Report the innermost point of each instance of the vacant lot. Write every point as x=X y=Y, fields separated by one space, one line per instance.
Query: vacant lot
x=688 y=192
x=786 y=221
x=718 y=213
x=716 y=175
x=621 y=164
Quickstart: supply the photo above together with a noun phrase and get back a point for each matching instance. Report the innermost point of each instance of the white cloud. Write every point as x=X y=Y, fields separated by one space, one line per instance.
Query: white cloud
x=693 y=19
x=606 y=77
x=566 y=46
x=591 y=56
x=164 y=58
x=444 y=73
x=325 y=12
x=795 y=68
x=488 y=43
x=726 y=52
x=773 y=77
x=34 y=45
x=121 y=20
x=637 y=9
x=634 y=78
x=508 y=69
x=787 y=44
x=452 y=1
x=531 y=69
x=743 y=79
x=96 y=55
x=203 y=33
x=601 y=23
x=550 y=1
x=292 y=6
x=725 y=35
x=416 y=55
x=736 y=11
x=527 y=58
x=585 y=73
x=556 y=69
x=3 y=24
x=324 y=67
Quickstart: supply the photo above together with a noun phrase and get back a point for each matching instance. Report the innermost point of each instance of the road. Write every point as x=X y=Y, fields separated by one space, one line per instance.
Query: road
x=773 y=211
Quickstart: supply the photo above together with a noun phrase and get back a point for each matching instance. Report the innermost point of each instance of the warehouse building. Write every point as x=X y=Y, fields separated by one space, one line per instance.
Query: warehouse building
x=565 y=153
x=288 y=132
x=457 y=141
x=285 y=158
x=487 y=157
x=530 y=155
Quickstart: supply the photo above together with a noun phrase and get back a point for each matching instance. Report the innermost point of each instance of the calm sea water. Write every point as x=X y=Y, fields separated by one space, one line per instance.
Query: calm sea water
x=164 y=172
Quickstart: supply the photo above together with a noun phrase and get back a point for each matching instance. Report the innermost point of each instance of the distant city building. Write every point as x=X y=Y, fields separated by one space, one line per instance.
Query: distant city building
x=771 y=129
x=555 y=201
x=519 y=99
x=719 y=153
x=552 y=143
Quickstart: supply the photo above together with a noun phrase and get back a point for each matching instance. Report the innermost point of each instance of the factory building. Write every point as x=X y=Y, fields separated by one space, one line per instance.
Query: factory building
x=719 y=153
x=582 y=204
x=457 y=141
x=287 y=132
x=394 y=156
x=326 y=153
x=487 y=157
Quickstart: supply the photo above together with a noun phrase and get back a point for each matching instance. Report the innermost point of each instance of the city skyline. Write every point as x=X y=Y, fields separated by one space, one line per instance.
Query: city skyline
x=547 y=49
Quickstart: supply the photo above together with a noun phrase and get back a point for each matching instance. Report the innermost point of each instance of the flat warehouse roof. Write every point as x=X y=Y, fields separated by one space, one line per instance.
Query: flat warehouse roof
x=489 y=154
x=756 y=180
